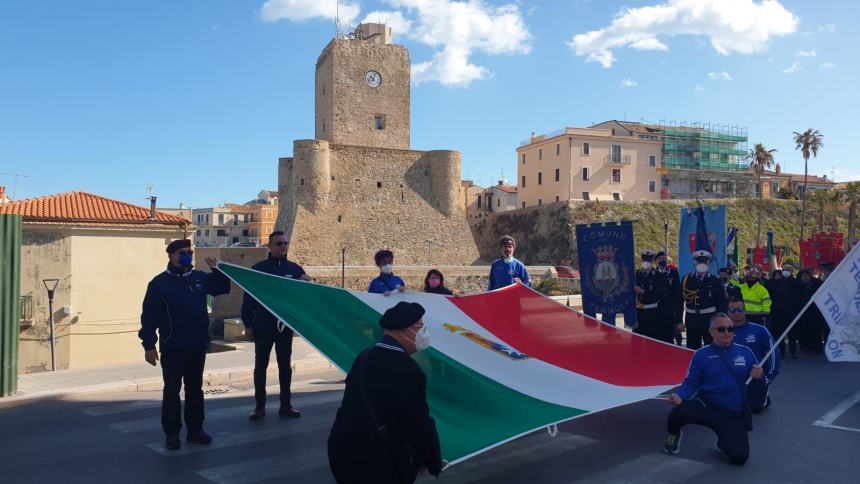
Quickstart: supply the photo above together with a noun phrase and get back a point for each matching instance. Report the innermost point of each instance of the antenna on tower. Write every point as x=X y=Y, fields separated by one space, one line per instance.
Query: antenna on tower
x=336 y=19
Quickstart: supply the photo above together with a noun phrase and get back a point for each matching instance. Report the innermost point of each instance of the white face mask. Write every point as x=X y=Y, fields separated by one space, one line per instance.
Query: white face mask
x=422 y=339
x=786 y=273
x=701 y=268
x=509 y=260
x=646 y=265
x=387 y=268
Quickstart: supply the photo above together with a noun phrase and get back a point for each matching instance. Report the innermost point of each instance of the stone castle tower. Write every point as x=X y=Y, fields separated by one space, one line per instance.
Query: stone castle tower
x=358 y=185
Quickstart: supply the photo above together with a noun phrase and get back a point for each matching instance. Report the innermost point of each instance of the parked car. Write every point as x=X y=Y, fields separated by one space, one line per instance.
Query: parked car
x=244 y=244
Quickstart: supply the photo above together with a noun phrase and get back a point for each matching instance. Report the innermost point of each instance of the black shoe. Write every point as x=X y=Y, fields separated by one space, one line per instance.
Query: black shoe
x=199 y=437
x=766 y=402
x=673 y=443
x=258 y=414
x=287 y=411
x=172 y=442
x=719 y=446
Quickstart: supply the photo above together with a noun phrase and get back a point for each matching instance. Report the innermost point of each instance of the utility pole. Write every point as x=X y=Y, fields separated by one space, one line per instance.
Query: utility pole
x=15 y=185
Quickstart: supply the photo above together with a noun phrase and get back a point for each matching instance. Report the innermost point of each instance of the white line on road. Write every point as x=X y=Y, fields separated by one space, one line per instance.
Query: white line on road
x=828 y=418
x=256 y=470
x=649 y=468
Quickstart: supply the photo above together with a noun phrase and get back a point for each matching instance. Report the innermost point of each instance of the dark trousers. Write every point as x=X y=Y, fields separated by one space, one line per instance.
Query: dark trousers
x=652 y=323
x=264 y=338
x=729 y=426
x=757 y=393
x=697 y=330
x=178 y=368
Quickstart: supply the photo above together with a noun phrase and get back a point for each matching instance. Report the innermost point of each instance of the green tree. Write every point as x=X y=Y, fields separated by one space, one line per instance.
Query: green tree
x=808 y=142
x=760 y=159
x=852 y=198
x=820 y=200
x=837 y=199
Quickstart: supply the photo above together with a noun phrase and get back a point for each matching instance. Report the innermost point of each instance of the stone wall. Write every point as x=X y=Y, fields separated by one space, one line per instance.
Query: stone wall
x=367 y=199
x=228 y=305
x=544 y=234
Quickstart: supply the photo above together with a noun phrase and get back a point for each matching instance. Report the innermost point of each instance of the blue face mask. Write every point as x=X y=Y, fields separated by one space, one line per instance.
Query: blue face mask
x=185 y=260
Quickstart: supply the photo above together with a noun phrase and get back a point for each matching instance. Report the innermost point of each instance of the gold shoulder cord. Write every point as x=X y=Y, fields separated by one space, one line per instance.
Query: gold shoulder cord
x=690 y=296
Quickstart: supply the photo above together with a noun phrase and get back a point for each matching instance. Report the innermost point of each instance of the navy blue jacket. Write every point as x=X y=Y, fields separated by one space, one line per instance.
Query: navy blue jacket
x=175 y=305
x=709 y=380
x=757 y=338
x=502 y=274
x=255 y=315
x=385 y=282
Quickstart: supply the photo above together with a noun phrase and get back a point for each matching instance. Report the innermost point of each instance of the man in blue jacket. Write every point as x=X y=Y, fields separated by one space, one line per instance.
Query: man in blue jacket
x=757 y=338
x=175 y=305
x=714 y=392
x=507 y=270
x=265 y=330
x=386 y=283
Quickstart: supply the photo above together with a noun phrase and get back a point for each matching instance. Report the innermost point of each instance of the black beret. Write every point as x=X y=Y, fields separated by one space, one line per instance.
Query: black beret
x=178 y=244
x=661 y=253
x=403 y=315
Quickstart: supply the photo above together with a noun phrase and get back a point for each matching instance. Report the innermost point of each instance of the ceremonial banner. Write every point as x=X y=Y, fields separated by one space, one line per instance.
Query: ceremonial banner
x=822 y=247
x=501 y=364
x=838 y=299
x=606 y=267
x=715 y=220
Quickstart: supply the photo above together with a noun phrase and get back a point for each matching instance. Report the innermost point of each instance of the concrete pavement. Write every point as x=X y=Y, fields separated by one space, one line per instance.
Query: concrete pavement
x=222 y=368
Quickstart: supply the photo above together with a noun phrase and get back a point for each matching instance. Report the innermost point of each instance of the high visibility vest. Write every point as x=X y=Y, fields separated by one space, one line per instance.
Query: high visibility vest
x=756 y=299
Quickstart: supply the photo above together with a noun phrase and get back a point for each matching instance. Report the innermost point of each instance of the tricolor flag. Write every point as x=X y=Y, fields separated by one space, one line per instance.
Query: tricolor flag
x=838 y=299
x=501 y=364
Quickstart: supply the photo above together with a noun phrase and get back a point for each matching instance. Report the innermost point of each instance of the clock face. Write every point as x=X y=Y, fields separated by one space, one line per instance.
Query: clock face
x=373 y=78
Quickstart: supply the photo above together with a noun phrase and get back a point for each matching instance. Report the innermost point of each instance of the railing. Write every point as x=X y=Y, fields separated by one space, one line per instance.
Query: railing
x=25 y=307
x=617 y=160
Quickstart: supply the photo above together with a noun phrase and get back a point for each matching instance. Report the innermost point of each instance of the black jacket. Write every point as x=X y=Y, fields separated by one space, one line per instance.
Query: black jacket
x=439 y=290
x=704 y=294
x=397 y=389
x=175 y=305
x=253 y=314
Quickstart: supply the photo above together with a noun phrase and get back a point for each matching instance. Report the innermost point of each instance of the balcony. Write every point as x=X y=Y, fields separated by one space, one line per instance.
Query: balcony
x=25 y=308
x=617 y=160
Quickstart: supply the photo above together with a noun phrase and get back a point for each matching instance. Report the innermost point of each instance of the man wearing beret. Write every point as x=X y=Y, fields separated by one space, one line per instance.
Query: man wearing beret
x=383 y=432
x=175 y=305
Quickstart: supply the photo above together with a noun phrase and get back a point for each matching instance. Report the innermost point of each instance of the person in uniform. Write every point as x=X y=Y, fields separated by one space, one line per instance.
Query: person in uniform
x=704 y=296
x=175 y=306
x=784 y=295
x=757 y=338
x=383 y=432
x=507 y=270
x=650 y=289
x=672 y=302
x=265 y=330
x=714 y=393
x=756 y=297
x=730 y=284
x=386 y=283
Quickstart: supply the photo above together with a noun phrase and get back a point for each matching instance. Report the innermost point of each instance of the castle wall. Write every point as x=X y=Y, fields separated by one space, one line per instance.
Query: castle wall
x=373 y=198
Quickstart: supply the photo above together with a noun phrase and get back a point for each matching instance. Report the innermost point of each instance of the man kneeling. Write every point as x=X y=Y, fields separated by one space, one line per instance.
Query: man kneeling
x=714 y=393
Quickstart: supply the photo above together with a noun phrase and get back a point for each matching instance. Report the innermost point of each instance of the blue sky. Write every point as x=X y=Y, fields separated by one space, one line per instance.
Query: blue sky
x=199 y=98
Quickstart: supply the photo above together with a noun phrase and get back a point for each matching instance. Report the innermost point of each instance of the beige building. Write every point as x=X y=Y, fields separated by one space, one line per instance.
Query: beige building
x=471 y=199
x=104 y=253
x=587 y=164
x=500 y=198
x=222 y=226
x=358 y=186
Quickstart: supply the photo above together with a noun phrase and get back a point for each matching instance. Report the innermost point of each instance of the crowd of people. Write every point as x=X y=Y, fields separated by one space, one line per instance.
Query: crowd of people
x=384 y=432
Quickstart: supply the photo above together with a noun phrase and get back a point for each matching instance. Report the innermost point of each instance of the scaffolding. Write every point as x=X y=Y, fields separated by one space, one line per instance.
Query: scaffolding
x=704 y=146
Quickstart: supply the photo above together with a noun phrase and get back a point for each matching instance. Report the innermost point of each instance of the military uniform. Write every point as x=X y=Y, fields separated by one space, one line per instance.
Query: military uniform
x=671 y=302
x=704 y=296
x=648 y=311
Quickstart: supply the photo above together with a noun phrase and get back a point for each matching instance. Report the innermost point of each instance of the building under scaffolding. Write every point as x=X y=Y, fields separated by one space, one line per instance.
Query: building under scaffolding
x=705 y=160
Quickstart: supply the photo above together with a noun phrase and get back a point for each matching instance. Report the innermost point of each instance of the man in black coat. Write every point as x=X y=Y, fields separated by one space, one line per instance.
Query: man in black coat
x=672 y=303
x=266 y=331
x=175 y=305
x=383 y=432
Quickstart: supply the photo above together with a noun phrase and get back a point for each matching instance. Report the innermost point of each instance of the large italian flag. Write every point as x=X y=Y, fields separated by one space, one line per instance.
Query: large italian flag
x=501 y=364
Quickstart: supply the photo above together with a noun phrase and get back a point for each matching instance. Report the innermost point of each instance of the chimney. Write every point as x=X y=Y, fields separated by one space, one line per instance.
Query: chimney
x=3 y=198
x=152 y=213
x=501 y=182
x=778 y=169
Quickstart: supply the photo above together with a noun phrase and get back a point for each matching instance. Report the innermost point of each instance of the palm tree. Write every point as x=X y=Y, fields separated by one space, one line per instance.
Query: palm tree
x=852 y=197
x=837 y=200
x=807 y=142
x=760 y=159
x=819 y=198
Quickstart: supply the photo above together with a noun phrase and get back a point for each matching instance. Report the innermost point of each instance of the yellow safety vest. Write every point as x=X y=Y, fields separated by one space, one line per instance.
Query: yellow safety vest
x=756 y=299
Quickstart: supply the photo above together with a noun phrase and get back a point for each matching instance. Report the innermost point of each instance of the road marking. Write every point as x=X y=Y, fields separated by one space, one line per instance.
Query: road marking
x=222 y=440
x=528 y=450
x=653 y=467
x=256 y=470
x=828 y=418
x=224 y=413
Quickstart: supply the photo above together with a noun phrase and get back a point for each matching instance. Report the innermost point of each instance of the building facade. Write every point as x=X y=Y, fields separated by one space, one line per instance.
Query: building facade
x=264 y=214
x=587 y=164
x=222 y=226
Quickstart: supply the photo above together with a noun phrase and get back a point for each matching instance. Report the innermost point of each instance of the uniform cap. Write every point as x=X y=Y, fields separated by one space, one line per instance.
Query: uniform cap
x=403 y=315
x=647 y=253
x=701 y=253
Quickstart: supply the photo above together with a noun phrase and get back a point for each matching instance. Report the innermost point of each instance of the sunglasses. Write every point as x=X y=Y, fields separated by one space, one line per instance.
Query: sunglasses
x=736 y=310
x=724 y=329
x=282 y=244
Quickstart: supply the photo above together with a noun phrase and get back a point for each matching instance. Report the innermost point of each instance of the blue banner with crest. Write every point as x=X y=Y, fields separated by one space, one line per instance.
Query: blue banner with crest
x=606 y=267
x=694 y=225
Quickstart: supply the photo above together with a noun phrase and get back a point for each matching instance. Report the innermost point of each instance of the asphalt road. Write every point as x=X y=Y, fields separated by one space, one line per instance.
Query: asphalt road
x=811 y=434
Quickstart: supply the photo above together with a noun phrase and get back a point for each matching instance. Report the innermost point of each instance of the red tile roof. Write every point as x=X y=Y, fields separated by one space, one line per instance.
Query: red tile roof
x=506 y=188
x=88 y=209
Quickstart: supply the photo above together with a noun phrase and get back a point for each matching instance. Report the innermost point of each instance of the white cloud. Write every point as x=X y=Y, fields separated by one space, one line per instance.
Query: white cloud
x=627 y=82
x=827 y=28
x=699 y=88
x=732 y=26
x=399 y=24
x=304 y=10
x=719 y=76
x=794 y=67
x=457 y=29
x=805 y=53
x=828 y=65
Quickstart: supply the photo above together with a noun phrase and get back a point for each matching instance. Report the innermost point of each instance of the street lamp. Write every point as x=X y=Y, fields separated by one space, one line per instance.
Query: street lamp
x=343 y=265
x=51 y=286
x=429 y=256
